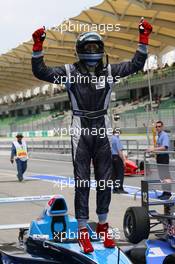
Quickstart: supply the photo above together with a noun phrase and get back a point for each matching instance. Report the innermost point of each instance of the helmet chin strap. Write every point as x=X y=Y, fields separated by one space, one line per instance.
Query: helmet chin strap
x=89 y=68
x=92 y=67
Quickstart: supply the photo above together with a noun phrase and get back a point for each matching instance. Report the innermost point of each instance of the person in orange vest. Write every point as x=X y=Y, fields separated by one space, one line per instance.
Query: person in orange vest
x=20 y=153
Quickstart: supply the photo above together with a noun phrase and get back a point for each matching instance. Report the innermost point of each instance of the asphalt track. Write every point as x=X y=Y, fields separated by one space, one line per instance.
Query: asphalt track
x=42 y=178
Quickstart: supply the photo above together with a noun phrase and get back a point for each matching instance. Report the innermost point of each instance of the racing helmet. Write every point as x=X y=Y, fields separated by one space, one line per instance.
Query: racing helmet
x=90 y=48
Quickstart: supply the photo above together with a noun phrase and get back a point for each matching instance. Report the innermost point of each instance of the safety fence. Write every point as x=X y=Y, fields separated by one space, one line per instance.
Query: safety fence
x=63 y=146
x=158 y=177
x=159 y=170
x=131 y=122
x=143 y=119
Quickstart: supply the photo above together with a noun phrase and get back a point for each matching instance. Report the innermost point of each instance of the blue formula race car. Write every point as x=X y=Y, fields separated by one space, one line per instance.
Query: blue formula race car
x=52 y=238
x=151 y=219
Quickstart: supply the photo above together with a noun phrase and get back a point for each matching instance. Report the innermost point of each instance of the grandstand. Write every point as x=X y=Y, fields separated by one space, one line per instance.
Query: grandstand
x=24 y=109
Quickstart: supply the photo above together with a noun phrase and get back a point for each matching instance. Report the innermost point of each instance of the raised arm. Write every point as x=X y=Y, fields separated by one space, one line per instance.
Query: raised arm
x=137 y=63
x=55 y=75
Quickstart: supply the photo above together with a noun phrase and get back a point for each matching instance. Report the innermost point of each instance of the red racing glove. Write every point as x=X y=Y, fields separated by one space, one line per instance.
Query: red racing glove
x=38 y=37
x=145 y=30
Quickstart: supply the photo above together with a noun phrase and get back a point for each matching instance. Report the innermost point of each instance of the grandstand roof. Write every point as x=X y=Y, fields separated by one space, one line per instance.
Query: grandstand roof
x=15 y=65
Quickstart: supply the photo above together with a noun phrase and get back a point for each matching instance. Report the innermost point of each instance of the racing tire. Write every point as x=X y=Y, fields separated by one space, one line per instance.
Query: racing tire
x=136 y=224
x=137 y=255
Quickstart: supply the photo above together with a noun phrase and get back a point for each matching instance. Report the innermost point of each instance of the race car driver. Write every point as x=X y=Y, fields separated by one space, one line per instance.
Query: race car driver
x=89 y=103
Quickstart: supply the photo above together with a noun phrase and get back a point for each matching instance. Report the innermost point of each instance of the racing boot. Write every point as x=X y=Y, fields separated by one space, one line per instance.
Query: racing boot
x=84 y=241
x=102 y=231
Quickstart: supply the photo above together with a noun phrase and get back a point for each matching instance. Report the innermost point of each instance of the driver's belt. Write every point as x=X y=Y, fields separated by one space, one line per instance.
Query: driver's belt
x=90 y=114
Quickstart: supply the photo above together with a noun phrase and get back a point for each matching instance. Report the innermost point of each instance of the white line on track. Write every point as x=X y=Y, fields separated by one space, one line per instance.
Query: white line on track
x=51 y=161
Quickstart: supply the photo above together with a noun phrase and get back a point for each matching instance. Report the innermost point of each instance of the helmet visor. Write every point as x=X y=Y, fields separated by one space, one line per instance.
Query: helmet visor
x=92 y=48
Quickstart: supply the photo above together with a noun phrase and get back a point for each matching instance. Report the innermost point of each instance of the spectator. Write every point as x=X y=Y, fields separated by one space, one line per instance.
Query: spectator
x=162 y=144
x=19 y=150
x=118 y=163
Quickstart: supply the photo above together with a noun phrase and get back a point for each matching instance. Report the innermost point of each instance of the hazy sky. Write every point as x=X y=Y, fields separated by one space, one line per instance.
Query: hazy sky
x=19 y=18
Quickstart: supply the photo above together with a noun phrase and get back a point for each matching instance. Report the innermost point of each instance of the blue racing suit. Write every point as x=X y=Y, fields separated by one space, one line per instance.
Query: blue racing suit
x=89 y=102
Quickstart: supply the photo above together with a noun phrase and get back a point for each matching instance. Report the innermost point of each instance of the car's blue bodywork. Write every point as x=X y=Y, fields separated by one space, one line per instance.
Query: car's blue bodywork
x=157 y=250
x=54 y=236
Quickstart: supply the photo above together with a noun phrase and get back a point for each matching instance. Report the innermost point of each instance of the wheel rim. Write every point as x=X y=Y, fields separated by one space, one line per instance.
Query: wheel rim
x=129 y=224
